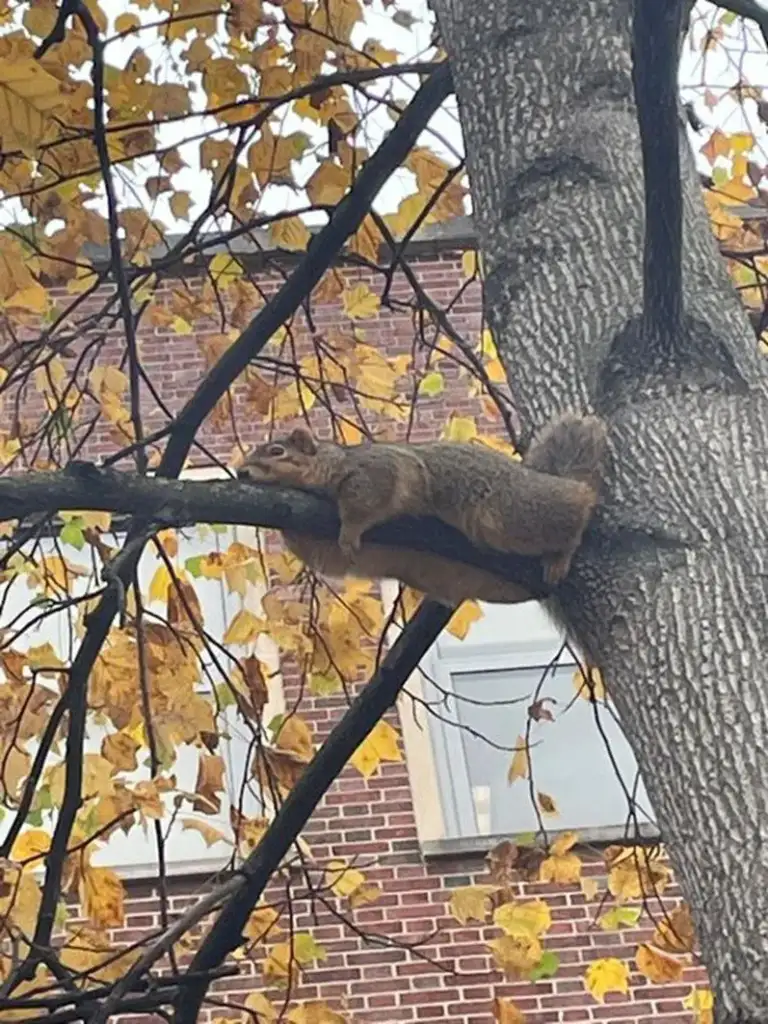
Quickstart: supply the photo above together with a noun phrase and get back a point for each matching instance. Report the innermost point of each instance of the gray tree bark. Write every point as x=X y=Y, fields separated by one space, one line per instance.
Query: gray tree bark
x=669 y=592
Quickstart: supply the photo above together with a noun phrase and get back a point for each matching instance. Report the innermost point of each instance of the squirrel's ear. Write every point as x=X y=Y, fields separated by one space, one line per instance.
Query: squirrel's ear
x=302 y=439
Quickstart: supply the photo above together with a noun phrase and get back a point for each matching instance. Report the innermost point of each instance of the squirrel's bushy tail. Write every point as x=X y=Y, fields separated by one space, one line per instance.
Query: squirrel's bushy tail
x=571 y=446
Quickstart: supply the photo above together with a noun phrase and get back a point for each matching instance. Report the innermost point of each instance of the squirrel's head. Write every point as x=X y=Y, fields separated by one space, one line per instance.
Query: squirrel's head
x=291 y=459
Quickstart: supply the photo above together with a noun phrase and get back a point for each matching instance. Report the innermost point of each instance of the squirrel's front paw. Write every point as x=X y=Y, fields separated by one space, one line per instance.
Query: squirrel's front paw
x=350 y=542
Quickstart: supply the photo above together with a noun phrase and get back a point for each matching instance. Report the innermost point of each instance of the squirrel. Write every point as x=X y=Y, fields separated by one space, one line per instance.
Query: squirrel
x=539 y=507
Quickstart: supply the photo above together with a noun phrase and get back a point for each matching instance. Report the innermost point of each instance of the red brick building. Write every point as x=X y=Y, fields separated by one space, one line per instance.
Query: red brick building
x=419 y=828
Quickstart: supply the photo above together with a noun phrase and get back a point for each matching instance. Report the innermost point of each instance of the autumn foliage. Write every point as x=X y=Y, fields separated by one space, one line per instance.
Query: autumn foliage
x=172 y=167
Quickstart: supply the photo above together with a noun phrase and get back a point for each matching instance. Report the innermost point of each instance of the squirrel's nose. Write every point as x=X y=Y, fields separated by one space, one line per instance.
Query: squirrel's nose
x=242 y=474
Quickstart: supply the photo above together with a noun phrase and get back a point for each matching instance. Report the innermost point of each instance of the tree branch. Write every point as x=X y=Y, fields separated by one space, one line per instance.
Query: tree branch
x=363 y=714
x=656 y=26
x=181 y=502
x=747 y=9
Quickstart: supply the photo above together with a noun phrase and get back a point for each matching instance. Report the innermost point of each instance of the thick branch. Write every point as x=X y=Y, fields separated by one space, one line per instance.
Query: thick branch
x=180 y=502
x=750 y=9
x=655 y=46
x=365 y=711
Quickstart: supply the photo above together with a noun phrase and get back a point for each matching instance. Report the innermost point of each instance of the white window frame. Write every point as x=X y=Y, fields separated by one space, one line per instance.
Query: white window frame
x=434 y=752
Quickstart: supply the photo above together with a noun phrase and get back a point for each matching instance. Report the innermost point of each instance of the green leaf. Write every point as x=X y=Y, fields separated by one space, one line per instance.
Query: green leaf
x=225 y=698
x=547 y=967
x=618 y=916
x=193 y=566
x=431 y=385
x=274 y=725
x=72 y=534
x=324 y=684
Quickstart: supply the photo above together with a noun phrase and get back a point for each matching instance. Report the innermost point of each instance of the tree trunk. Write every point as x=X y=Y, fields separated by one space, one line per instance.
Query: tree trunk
x=669 y=591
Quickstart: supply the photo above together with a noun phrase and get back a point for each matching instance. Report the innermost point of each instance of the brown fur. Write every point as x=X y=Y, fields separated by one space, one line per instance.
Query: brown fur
x=442 y=579
x=539 y=507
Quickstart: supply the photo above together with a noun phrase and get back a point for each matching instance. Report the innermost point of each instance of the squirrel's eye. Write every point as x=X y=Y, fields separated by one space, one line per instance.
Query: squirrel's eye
x=275 y=450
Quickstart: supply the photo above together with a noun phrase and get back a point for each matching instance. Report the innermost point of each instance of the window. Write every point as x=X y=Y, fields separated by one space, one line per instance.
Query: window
x=472 y=701
x=186 y=849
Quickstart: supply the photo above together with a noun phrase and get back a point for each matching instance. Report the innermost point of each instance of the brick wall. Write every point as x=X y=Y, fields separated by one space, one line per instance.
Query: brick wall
x=402 y=958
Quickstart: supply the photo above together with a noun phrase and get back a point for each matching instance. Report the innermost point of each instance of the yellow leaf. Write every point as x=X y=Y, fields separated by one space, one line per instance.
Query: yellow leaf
x=526 y=919
x=258 y=1003
x=262 y=922
x=701 y=1001
x=515 y=955
x=380 y=745
x=562 y=870
x=160 y=584
x=31 y=844
x=101 y=896
x=471 y=902
x=487 y=345
x=328 y=184
x=360 y=303
x=657 y=967
x=505 y=1012
x=180 y=203
x=43 y=658
x=290 y=233
x=469 y=263
x=606 y=975
x=14 y=769
x=315 y=1012
x=564 y=843
x=32 y=299
x=28 y=95
x=365 y=894
x=635 y=873
x=460 y=428
x=9 y=448
x=89 y=950
x=463 y=617
x=591 y=686
x=120 y=750
x=742 y=142
x=520 y=767
x=244 y=628
x=210 y=834
x=100 y=521
x=296 y=736
x=224 y=268
x=126 y=22
x=286 y=956
x=306 y=949
x=343 y=879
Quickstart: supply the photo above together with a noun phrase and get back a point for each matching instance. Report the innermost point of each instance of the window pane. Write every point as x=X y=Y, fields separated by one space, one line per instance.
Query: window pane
x=569 y=758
